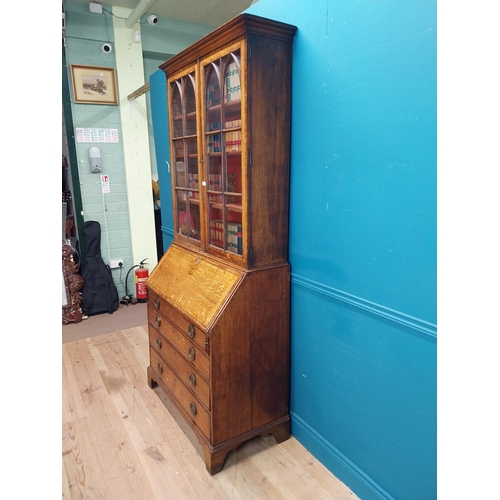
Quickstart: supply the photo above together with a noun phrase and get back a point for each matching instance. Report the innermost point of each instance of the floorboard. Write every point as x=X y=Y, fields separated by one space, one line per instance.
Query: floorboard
x=122 y=440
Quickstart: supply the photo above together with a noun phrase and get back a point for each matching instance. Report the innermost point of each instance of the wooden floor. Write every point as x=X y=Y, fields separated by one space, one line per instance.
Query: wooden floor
x=121 y=440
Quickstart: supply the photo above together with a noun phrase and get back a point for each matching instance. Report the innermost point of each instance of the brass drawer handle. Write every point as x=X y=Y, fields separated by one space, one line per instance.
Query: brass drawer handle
x=192 y=379
x=160 y=367
x=193 y=409
x=191 y=331
x=158 y=321
x=157 y=302
x=158 y=343
x=192 y=354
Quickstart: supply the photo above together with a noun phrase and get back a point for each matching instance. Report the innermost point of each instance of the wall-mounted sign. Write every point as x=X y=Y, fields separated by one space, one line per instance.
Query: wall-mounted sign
x=96 y=135
x=105 y=183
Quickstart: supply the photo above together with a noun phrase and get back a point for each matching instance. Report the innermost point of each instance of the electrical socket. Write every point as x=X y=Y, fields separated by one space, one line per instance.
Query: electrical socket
x=115 y=263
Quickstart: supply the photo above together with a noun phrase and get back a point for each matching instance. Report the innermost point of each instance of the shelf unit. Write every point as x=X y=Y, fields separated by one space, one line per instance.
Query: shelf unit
x=219 y=299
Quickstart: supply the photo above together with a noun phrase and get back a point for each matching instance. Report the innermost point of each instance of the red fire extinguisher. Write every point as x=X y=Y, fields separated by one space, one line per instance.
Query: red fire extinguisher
x=141 y=275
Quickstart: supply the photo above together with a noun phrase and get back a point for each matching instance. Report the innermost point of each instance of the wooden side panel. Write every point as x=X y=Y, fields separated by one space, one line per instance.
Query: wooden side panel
x=250 y=355
x=270 y=345
x=194 y=285
x=269 y=120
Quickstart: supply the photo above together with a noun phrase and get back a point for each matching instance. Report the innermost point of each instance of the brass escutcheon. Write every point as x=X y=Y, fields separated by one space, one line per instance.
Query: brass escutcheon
x=192 y=354
x=158 y=321
x=157 y=302
x=191 y=331
x=160 y=367
x=192 y=407
x=192 y=379
x=158 y=343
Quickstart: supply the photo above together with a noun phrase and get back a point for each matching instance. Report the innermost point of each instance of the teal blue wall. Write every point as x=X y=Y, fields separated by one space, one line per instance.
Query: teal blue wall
x=362 y=232
x=158 y=97
x=363 y=240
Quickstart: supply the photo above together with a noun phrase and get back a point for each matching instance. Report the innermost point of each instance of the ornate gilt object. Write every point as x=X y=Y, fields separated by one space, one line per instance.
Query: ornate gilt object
x=72 y=284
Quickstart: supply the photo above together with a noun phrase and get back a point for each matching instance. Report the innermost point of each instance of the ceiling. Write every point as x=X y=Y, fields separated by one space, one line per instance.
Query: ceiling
x=208 y=12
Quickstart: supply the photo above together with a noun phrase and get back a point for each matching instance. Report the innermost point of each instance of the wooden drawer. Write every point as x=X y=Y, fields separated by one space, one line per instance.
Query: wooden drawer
x=183 y=324
x=189 y=404
x=191 y=352
x=184 y=371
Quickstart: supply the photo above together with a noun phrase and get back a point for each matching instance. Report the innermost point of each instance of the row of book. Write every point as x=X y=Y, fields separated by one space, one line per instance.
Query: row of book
x=215 y=183
x=233 y=140
x=214 y=143
x=233 y=236
x=232 y=87
x=211 y=126
x=233 y=123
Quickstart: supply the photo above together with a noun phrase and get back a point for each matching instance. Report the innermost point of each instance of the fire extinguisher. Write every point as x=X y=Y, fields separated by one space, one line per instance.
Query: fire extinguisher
x=141 y=275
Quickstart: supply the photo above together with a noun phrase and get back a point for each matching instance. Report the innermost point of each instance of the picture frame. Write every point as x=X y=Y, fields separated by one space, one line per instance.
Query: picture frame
x=94 y=84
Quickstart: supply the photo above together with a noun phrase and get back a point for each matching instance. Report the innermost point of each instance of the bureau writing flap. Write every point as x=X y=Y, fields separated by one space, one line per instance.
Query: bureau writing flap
x=196 y=286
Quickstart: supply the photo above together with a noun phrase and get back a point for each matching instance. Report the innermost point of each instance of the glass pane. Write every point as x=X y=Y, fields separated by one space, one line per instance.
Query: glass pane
x=190 y=106
x=212 y=98
x=214 y=184
x=176 y=110
x=233 y=199
x=185 y=150
x=214 y=144
x=180 y=166
x=188 y=216
x=232 y=87
x=193 y=182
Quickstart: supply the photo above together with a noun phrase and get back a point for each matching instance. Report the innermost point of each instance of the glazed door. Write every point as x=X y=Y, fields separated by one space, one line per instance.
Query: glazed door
x=223 y=150
x=185 y=158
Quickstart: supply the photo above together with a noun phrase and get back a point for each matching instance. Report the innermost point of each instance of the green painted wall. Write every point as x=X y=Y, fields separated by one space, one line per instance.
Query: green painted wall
x=85 y=34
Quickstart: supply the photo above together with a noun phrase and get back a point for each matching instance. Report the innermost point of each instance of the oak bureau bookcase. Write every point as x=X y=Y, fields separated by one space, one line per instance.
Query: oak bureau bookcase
x=219 y=299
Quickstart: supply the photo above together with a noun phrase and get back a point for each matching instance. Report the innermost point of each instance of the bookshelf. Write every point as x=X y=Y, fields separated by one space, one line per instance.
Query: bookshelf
x=219 y=299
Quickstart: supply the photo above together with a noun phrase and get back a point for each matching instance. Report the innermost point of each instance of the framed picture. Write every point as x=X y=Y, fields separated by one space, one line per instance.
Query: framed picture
x=94 y=84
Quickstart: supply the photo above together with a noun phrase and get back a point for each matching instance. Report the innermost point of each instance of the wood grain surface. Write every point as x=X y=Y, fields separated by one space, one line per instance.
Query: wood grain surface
x=196 y=286
x=123 y=441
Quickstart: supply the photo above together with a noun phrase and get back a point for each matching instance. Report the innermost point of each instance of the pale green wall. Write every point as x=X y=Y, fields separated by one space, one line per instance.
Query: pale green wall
x=126 y=213
x=134 y=126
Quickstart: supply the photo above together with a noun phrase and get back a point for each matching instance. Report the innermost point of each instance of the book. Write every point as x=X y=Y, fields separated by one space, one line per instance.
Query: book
x=216 y=233
x=234 y=238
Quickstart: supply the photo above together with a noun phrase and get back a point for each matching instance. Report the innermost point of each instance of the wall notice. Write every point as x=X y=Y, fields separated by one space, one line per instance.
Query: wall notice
x=96 y=135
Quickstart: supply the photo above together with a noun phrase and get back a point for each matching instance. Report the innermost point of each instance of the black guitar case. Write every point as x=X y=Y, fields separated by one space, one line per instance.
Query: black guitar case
x=99 y=291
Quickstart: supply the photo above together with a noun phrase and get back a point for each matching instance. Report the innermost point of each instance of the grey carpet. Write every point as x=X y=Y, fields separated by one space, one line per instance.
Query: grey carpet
x=124 y=317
